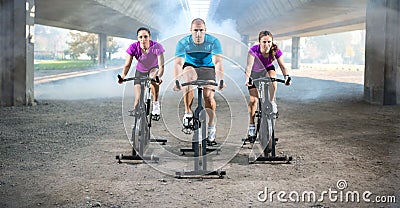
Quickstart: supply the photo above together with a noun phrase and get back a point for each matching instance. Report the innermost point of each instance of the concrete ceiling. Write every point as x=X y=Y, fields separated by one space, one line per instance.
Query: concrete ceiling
x=284 y=18
x=287 y=18
x=118 y=18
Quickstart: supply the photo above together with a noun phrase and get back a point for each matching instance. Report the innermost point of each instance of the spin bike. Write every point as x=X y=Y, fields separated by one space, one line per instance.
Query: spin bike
x=199 y=140
x=265 y=124
x=142 y=122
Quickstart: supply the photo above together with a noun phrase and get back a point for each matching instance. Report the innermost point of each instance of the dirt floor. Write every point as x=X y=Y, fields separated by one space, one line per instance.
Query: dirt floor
x=61 y=153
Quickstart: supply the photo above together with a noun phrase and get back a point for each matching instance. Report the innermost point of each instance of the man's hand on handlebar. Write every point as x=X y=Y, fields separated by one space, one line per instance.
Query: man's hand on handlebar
x=177 y=86
x=221 y=85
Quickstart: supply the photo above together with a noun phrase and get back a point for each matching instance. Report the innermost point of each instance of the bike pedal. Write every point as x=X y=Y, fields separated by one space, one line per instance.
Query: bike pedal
x=213 y=143
x=133 y=114
x=187 y=130
x=252 y=139
x=155 y=117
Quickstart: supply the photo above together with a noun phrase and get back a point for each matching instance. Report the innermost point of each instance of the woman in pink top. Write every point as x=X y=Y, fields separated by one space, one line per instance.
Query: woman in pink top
x=260 y=64
x=150 y=62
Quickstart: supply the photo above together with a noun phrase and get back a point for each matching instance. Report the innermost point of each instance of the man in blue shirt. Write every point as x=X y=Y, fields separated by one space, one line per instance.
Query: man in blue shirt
x=199 y=57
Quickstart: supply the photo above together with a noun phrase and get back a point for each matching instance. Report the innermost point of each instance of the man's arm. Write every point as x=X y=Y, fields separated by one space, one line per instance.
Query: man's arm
x=219 y=69
x=178 y=64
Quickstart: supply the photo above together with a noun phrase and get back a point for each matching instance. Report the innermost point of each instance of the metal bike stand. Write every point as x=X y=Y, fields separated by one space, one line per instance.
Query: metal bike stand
x=200 y=171
x=265 y=115
x=270 y=154
x=143 y=109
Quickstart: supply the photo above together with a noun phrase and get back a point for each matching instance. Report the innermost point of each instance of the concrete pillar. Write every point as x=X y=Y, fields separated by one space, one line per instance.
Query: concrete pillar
x=382 y=52
x=102 y=49
x=16 y=54
x=154 y=36
x=295 y=52
x=245 y=39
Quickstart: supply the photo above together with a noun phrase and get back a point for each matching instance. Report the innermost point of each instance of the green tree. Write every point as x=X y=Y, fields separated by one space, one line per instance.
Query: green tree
x=323 y=46
x=83 y=43
x=76 y=46
x=87 y=43
x=112 y=47
x=92 y=46
x=328 y=45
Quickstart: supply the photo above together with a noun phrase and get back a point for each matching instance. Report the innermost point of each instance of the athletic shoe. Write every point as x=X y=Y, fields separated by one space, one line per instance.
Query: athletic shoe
x=132 y=112
x=211 y=134
x=274 y=107
x=252 y=131
x=187 y=120
x=156 y=108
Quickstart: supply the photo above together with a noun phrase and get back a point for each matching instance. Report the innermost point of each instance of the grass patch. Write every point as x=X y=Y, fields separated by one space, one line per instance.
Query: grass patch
x=63 y=64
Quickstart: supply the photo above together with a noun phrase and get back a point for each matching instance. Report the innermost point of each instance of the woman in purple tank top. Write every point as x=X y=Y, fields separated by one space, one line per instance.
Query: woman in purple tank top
x=260 y=64
x=150 y=62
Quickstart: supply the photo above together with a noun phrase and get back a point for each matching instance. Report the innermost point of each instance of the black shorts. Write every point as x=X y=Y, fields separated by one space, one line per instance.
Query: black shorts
x=203 y=72
x=142 y=74
x=256 y=75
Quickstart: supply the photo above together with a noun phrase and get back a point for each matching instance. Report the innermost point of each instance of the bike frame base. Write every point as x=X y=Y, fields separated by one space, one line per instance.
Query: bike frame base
x=285 y=158
x=200 y=174
x=136 y=158
x=162 y=141
x=208 y=149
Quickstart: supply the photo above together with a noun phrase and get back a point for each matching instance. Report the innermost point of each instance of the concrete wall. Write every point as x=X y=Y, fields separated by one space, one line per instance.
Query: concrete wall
x=16 y=54
x=382 y=54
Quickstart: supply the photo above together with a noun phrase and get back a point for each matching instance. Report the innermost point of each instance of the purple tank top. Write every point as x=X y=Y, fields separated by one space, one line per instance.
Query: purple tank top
x=260 y=62
x=145 y=61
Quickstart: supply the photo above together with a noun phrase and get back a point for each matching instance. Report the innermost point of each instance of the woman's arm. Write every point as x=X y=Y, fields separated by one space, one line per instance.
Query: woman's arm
x=282 y=66
x=285 y=71
x=249 y=66
x=160 y=65
x=127 y=65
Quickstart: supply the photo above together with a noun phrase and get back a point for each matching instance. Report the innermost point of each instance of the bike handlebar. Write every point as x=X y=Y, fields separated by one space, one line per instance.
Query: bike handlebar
x=266 y=79
x=144 y=78
x=198 y=83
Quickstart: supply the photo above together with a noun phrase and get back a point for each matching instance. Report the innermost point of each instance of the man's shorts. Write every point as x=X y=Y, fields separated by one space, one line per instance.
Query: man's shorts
x=203 y=72
x=256 y=75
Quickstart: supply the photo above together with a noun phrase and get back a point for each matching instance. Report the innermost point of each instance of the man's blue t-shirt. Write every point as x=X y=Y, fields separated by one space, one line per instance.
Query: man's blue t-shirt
x=198 y=55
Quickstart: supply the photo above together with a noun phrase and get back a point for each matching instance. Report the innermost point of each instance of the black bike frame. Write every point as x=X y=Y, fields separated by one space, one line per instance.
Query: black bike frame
x=141 y=132
x=266 y=122
x=199 y=119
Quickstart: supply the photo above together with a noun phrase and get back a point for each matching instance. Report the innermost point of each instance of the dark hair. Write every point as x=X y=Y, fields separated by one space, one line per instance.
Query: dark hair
x=143 y=28
x=264 y=33
x=274 y=48
x=198 y=19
